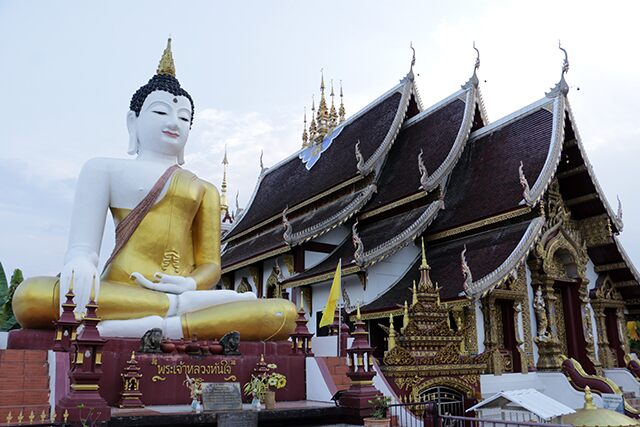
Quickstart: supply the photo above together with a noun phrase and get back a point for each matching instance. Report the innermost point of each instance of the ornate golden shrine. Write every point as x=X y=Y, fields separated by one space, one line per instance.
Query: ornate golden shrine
x=430 y=349
x=559 y=260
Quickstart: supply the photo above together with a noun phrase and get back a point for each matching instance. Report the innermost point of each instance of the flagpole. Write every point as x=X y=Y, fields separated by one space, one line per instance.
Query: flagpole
x=340 y=309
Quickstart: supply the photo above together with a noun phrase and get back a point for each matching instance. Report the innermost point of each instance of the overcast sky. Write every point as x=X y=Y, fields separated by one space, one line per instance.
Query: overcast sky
x=69 y=70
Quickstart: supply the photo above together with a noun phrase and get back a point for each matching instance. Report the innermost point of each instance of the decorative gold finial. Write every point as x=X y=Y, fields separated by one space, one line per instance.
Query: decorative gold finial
x=313 y=129
x=333 y=115
x=323 y=111
x=32 y=417
x=92 y=297
x=424 y=264
x=20 y=417
x=71 y=281
x=65 y=416
x=166 y=66
x=43 y=415
x=588 y=399
x=301 y=299
x=341 y=111
x=405 y=316
x=358 y=311
x=391 y=340
x=9 y=418
x=415 y=294
x=305 y=135
x=133 y=355
x=262 y=358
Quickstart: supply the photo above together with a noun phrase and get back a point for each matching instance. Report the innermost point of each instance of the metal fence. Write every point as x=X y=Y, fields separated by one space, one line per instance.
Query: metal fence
x=447 y=414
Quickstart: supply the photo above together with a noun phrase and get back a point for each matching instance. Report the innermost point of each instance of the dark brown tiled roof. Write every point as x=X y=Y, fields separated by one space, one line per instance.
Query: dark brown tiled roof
x=486 y=251
x=291 y=183
x=434 y=134
x=485 y=181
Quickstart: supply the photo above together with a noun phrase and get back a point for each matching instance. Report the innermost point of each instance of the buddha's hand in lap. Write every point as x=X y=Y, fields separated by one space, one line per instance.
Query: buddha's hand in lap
x=166 y=283
x=84 y=273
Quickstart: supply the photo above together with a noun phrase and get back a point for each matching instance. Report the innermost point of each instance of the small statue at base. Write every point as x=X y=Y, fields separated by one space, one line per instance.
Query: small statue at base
x=230 y=343
x=151 y=341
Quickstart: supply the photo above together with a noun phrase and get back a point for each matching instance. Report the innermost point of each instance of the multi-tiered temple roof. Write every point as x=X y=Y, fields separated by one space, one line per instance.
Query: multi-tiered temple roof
x=475 y=190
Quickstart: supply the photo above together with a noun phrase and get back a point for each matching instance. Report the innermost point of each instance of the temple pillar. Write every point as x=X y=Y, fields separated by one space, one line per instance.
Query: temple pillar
x=549 y=347
x=495 y=362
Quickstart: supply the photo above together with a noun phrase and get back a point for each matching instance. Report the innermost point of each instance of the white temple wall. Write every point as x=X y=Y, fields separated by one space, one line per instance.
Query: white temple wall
x=532 y=315
x=479 y=325
x=313 y=258
x=593 y=278
x=381 y=276
x=334 y=237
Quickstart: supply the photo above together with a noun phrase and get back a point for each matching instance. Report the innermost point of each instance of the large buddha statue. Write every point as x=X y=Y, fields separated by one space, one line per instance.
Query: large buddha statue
x=167 y=253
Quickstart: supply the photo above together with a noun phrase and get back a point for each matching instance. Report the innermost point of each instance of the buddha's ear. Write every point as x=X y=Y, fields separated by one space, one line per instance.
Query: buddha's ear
x=133 y=134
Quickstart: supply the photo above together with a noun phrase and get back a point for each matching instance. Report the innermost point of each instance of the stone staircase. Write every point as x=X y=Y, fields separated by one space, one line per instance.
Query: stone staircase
x=24 y=384
x=337 y=367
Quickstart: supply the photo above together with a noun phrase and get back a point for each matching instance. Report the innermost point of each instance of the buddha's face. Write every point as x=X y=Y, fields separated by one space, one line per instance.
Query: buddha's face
x=163 y=124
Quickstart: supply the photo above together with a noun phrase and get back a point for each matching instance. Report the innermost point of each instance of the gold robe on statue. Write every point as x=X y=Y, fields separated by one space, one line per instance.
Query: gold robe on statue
x=179 y=236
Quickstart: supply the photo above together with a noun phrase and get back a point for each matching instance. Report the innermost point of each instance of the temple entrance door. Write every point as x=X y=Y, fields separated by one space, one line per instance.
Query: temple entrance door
x=449 y=401
x=611 y=320
x=573 y=327
x=509 y=333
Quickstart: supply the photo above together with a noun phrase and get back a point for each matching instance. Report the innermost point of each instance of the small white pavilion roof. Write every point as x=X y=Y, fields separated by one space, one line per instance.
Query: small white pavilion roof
x=529 y=399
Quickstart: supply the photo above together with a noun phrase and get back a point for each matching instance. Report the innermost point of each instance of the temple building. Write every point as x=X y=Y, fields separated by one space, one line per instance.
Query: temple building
x=484 y=255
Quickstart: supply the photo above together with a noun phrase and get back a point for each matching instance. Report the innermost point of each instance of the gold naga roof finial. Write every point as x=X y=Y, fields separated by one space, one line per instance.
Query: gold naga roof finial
x=166 y=66
x=424 y=265
x=341 y=111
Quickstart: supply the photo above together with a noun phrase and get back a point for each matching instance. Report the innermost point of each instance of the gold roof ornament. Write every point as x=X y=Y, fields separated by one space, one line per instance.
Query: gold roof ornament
x=341 y=111
x=305 y=135
x=333 y=115
x=391 y=341
x=224 y=205
x=591 y=416
x=424 y=265
x=166 y=66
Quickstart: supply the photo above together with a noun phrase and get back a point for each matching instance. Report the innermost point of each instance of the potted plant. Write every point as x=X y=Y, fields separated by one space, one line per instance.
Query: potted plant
x=379 y=408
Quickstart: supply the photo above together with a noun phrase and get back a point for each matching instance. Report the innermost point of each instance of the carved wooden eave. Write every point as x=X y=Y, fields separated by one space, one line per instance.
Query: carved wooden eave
x=399 y=241
x=626 y=259
x=615 y=219
x=338 y=218
x=375 y=161
x=481 y=287
x=469 y=97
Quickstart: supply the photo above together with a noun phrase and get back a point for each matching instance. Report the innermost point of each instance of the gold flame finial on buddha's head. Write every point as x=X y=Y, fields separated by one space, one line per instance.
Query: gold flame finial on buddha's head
x=166 y=66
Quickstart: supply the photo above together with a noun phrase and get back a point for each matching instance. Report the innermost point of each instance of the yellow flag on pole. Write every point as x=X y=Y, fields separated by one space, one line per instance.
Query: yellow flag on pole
x=334 y=294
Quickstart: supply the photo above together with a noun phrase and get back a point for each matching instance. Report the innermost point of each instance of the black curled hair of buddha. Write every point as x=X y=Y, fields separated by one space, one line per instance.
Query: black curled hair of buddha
x=159 y=82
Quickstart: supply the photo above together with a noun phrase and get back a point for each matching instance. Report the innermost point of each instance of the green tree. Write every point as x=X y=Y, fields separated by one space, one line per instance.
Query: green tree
x=7 y=319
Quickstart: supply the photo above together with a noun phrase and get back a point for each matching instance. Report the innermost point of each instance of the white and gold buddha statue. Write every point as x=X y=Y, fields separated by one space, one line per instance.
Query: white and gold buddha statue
x=167 y=254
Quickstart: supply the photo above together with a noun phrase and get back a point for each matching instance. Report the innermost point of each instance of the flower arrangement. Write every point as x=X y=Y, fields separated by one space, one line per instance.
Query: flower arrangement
x=266 y=380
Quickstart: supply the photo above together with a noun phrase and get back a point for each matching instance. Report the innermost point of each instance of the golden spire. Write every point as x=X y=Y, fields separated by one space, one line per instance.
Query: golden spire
x=424 y=264
x=405 y=316
x=301 y=299
x=358 y=317
x=305 y=135
x=415 y=294
x=323 y=112
x=312 y=125
x=333 y=115
x=341 y=112
x=166 y=66
x=224 y=206
x=391 y=341
x=71 y=281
